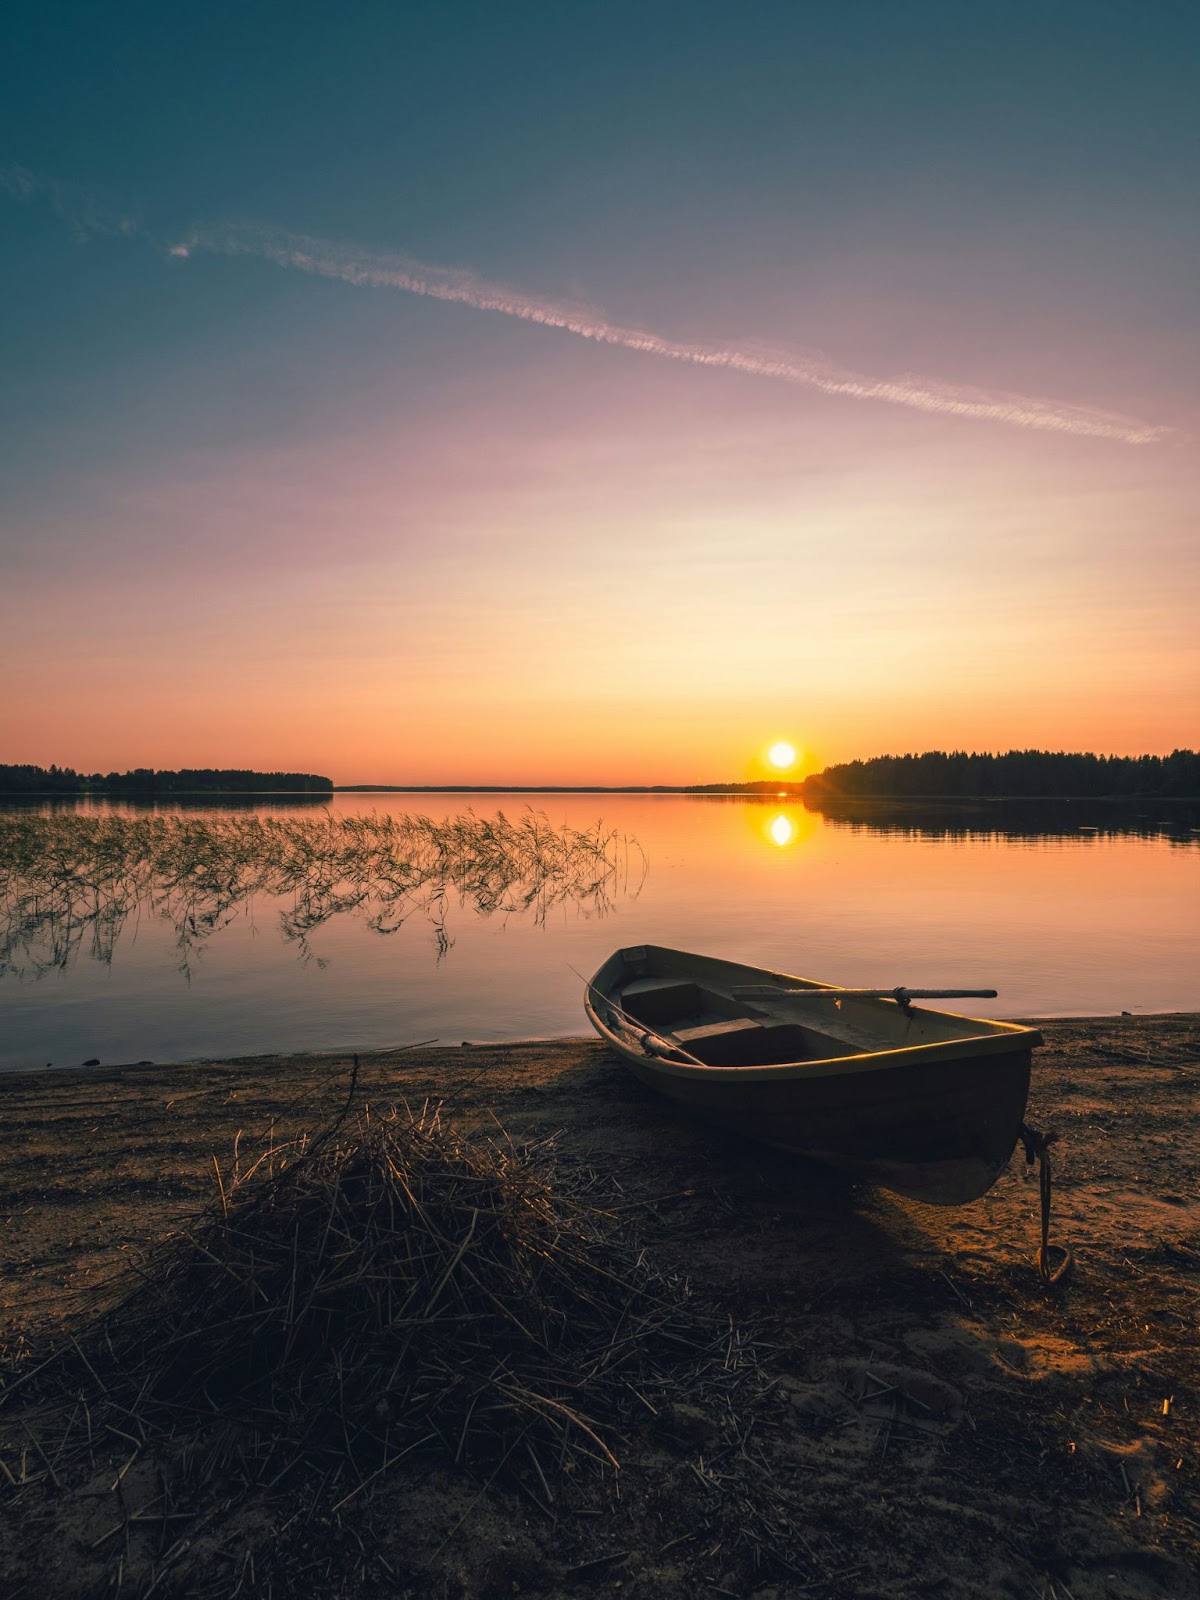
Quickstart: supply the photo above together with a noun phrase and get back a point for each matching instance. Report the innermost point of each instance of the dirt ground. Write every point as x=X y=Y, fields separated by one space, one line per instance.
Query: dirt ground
x=921 y=1417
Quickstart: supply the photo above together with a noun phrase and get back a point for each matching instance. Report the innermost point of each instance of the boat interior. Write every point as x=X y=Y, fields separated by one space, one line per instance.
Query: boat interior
x=724 y=1032
x=696 y=1003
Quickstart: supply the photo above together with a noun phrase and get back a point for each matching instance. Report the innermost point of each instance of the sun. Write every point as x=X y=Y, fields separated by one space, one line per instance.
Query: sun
x=782 y=755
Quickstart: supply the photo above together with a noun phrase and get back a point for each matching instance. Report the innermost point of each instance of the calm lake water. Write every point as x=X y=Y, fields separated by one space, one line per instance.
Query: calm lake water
x=1066 y=909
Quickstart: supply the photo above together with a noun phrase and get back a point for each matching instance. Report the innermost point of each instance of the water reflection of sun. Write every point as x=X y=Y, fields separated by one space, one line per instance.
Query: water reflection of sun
x=781 y=830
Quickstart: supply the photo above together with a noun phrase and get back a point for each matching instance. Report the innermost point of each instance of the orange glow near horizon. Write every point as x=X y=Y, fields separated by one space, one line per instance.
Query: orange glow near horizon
x=365 y=731
x=743 y=572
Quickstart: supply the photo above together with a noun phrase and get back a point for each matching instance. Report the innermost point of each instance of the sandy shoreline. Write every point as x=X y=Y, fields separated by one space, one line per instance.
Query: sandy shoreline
x=931 y=1420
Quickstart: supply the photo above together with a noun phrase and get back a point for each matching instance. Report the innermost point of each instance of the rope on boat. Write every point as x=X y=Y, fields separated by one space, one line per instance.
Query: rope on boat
x=1038 y=1144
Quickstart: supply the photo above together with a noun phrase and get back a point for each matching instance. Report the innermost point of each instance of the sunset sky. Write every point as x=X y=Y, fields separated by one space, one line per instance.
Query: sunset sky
x=575 y=393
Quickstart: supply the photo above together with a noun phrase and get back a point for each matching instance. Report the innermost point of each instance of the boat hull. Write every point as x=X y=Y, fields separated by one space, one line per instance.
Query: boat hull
x=936 y=1121
x=925 y=1138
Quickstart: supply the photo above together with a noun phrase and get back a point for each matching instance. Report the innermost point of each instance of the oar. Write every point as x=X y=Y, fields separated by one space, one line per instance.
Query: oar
x=901 y=995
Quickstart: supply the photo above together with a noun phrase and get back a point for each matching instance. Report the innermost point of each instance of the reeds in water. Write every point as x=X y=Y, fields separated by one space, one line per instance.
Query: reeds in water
x=71 y=881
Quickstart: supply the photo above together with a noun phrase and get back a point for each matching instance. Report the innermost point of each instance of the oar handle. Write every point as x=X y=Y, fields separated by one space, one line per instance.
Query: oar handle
x=769 y=991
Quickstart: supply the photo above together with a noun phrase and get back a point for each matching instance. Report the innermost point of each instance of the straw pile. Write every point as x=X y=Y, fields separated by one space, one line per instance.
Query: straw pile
x=386 y=1289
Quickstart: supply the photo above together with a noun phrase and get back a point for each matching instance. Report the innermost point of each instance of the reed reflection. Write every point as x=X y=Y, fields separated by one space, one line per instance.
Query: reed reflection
x=73 y=881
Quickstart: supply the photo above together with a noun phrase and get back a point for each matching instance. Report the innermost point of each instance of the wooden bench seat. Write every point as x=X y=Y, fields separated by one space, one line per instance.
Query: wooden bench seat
x=721 y=1044
x=658 y=1000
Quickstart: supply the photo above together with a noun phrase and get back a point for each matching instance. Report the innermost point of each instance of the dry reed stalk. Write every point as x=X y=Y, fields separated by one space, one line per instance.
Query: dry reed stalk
x=387 y=1288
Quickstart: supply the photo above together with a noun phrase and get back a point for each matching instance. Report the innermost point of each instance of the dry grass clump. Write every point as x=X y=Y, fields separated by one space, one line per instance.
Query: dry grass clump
x=72 y=880
x=385 y=1289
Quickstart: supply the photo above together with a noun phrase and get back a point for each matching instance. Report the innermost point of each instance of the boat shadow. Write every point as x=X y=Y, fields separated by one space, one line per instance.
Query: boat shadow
x=728 y=1210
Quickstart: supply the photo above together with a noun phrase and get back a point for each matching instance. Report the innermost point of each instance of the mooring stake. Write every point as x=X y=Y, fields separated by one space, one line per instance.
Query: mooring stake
x=1038 y=1144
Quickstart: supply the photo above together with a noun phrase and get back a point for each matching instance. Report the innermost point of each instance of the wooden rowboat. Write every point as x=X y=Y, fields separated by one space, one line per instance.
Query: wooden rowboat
x=922 y=1102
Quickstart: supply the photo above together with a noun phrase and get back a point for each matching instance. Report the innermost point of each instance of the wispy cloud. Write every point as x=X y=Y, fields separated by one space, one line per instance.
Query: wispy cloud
x=328 y=259
x=87 y=212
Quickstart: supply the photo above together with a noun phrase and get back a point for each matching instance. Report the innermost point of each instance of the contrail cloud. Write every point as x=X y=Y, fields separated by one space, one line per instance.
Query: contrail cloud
x=328 y=259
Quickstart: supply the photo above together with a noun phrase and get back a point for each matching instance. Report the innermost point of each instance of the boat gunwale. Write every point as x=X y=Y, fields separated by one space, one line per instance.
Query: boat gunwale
x=998 y=1038
x=828 y=1066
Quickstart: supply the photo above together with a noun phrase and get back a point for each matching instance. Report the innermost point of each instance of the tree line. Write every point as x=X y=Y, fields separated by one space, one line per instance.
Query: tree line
x=1027 y=774
x=25 y=779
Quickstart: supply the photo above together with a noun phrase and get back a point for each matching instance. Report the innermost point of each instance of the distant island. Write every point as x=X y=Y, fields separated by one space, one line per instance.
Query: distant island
x=147 y=781
x=932 y=775
x=1017 y=774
